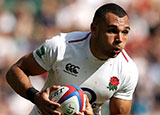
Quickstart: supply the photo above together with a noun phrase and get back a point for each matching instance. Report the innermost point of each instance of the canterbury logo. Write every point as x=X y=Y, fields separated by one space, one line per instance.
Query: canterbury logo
x=71 y=69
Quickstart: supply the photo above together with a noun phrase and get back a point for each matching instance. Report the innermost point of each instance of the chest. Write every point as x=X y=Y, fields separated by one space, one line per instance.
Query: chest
x=98 y=80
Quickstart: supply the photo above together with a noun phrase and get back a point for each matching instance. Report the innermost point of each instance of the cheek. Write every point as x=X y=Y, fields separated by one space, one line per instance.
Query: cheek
x=125 y=40
x=106 y=40
x=110 y=40
x=124 y=43
x=107 y=44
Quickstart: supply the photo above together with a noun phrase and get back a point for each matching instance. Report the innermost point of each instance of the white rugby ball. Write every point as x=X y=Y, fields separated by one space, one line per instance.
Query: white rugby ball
x=71 y=97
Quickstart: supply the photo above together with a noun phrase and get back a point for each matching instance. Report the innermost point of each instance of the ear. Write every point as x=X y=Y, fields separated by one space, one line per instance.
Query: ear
x=93 y=27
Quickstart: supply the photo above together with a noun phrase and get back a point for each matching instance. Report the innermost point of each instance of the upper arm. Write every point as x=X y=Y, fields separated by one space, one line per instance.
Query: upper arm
x=40 y=60
x=119 y=106
x=29 y=65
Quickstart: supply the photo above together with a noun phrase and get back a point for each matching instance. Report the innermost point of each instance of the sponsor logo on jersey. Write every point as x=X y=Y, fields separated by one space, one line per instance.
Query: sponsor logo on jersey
x=71 y=69
x=114 y=81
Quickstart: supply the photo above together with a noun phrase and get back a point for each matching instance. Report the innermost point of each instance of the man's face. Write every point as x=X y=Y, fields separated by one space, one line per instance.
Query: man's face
x=111 y=35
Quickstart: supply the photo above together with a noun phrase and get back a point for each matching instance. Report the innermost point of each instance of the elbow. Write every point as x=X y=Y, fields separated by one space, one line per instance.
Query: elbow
x=12 y=74
x=9 y=74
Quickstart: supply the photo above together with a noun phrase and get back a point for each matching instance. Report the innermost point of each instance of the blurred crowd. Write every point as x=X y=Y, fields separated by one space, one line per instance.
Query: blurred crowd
x=25 y=24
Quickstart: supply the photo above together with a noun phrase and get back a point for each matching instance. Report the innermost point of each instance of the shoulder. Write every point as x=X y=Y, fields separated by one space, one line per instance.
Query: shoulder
x=66 y=37
x=55 y=40
x=76 y=36
x=130 y=69
x=127 y=61
x=128 y=66
x=128 y=76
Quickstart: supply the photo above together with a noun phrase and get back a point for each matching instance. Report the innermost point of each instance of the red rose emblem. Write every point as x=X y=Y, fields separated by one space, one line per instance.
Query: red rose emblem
x=114 y=81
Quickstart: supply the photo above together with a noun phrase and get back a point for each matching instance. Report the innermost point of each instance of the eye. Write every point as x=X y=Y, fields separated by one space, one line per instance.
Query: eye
x=112 y=31
x=125 y=32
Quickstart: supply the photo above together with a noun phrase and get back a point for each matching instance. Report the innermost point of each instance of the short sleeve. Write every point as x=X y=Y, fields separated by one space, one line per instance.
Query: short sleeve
x=46 y=54
x=128 y=86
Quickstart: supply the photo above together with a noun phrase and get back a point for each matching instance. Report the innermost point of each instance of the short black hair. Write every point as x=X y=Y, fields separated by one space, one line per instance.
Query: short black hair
x=106 y=8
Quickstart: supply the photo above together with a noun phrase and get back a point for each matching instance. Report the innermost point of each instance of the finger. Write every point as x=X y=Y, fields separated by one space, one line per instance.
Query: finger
x=78 y=113
x=88 y=110
x=48 y=101
x=87 y=101
x=52 y=103
x=53 y=88
x=50 y=89
x=57 y=112
x=51 y=110
x=45 y=112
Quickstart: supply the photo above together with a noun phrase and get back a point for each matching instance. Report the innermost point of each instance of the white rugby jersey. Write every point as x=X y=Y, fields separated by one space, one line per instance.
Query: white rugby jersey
x=68 y=60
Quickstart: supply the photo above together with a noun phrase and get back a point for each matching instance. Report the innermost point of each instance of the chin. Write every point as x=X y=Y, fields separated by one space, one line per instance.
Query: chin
x=114 y=55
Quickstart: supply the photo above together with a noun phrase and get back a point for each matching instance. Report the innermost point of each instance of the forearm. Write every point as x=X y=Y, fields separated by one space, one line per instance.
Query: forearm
x=18 y=80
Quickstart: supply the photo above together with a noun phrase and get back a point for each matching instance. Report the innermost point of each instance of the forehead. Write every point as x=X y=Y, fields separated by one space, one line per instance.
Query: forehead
x=112 y=19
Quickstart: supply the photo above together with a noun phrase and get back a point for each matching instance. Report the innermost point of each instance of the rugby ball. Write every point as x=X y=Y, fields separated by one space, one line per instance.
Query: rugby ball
x=71 y=97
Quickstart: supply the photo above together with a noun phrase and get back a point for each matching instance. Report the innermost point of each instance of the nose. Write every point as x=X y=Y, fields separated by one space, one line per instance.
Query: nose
x=118 y=38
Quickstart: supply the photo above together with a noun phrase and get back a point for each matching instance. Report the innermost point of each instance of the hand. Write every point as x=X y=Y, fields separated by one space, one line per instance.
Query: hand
x=88 y=110
x=45 y=105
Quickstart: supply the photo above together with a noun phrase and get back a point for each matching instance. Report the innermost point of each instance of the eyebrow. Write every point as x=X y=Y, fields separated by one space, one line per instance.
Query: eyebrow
x=114 y=26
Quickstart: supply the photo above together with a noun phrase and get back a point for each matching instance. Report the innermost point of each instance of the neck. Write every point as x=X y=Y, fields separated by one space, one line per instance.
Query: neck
x=95 y=50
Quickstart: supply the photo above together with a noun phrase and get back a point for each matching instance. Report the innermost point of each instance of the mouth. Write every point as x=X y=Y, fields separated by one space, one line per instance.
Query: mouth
x=116 y=50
